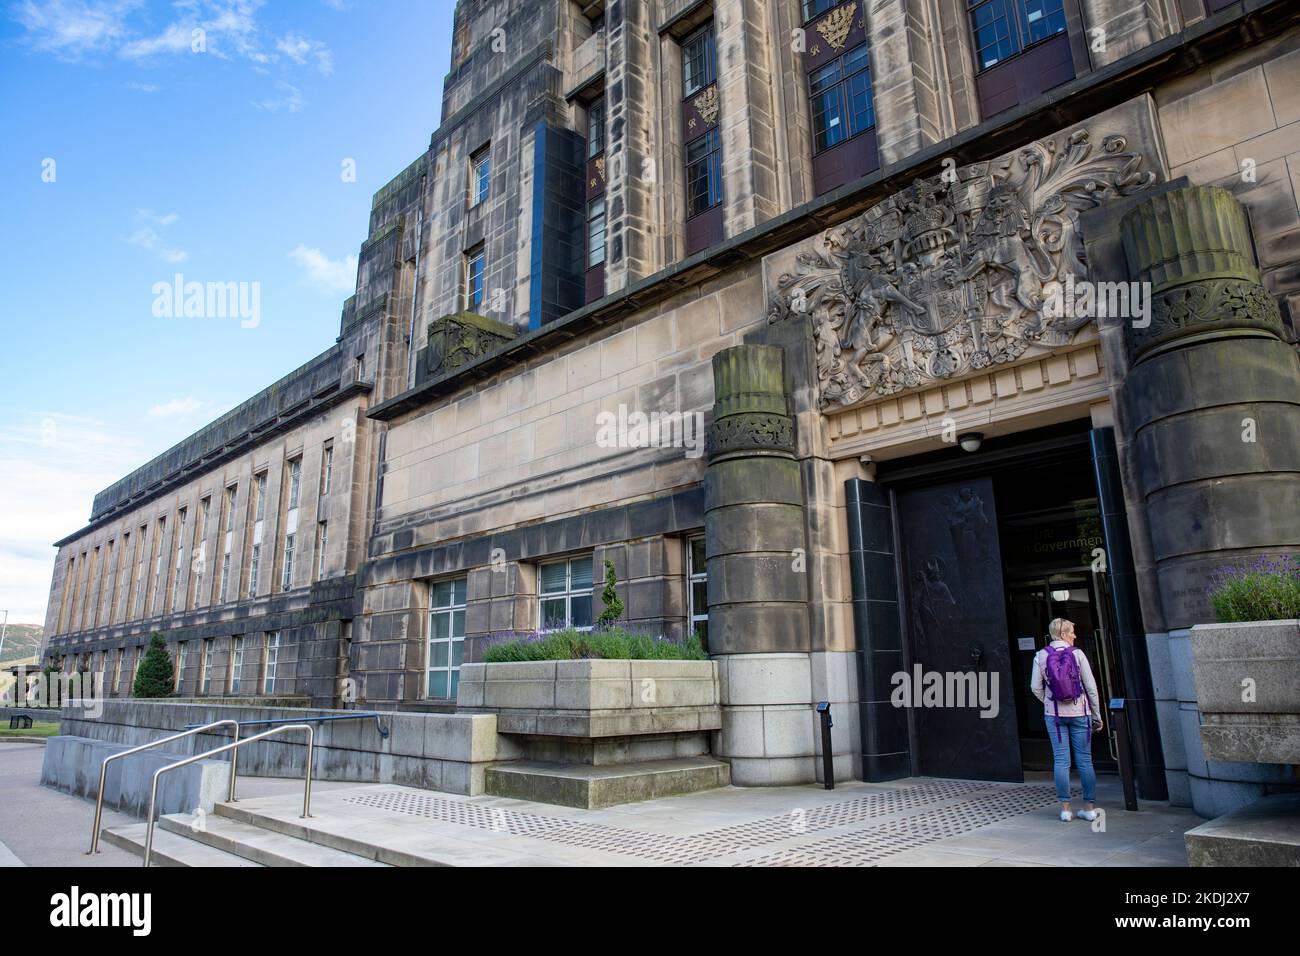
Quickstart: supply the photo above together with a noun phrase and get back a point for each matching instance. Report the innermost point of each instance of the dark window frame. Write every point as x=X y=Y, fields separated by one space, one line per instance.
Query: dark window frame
x=812 y=9
x=841 y=87
x=710 y=161
x=592 y=219
x=480 y=176
x=596 y=130
x=1019 y=29
x=708 y=59
x=475 y=255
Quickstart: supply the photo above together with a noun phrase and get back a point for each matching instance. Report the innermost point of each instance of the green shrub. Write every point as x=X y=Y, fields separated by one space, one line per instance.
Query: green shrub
x=1268 y=590
x=613 y=603
x=155 y=677
x=606 y=643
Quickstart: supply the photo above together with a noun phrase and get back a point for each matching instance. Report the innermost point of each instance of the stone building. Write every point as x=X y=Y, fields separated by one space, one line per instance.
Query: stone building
x=975 y=298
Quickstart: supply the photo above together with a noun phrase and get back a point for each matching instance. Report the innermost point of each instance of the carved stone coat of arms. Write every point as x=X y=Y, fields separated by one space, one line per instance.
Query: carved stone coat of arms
x=952 y=274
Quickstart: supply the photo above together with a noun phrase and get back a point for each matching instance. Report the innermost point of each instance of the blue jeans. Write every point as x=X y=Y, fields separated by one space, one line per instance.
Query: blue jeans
x=1074 y=733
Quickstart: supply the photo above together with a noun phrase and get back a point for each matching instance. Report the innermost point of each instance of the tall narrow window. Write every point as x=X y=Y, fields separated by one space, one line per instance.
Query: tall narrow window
x=698 y=594
x=228 y=521
x=291 y=524
x=180 y=665
x=236 y=664
x=446 y=637
x=270 y=662
x=199 y=563
x=173 y=603
x=596 y=128
x=205 y=686
x=122 y=578
x=322 y=543
x=595 y=232
x=699 y=61
x=259 y=517
x=480 y=176
x=564 y=594
x=474 y=289
x=115 y=689
x=326 y=469
x=160 y=559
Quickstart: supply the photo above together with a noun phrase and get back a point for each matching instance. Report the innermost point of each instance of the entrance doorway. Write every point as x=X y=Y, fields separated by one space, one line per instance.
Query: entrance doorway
x=987 y=556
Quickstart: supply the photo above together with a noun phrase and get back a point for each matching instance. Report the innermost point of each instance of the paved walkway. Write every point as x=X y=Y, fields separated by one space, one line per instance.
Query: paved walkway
x=914 y=822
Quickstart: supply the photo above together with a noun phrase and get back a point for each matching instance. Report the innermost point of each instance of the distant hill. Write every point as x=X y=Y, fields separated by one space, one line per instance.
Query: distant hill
x=21 y=640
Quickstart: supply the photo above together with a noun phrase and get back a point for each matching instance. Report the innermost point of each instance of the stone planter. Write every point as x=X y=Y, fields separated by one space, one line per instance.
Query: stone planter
x=1248 y=690
x=589 y=699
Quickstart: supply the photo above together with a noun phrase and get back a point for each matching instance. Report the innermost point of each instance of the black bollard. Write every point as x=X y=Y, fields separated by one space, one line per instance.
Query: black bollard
x=1120 y=723
x=828 y=758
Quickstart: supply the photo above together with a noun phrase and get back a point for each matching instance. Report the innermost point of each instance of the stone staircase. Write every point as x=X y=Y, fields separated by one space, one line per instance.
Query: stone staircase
x=233 y=836
x=589 y=786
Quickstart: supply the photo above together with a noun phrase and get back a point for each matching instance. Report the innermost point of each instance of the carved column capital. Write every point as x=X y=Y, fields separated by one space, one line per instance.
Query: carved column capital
x=751 y=411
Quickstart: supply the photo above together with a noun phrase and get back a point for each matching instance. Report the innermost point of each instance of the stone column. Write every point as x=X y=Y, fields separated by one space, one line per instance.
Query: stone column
x=1212 y=401
x=1213 y=395
x=756 y=554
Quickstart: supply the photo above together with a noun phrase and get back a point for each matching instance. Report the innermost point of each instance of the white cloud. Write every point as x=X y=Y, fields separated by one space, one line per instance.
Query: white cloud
x=51 y=467
x=333 y=276
x=178 y=407
x=72 y=28
x=303 y=50
x=142 y=87
x=146 y=236
x=290 y=99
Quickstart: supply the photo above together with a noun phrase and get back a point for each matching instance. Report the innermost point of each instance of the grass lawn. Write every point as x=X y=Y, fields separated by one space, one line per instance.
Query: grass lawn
x=39 y=728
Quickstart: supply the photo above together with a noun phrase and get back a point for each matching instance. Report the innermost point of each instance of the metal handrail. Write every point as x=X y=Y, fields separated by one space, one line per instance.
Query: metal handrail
x=153 y=790
x=103 y=770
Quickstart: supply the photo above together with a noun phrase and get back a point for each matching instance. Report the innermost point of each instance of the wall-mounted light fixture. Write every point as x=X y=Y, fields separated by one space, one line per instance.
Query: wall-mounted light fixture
x=970 y=441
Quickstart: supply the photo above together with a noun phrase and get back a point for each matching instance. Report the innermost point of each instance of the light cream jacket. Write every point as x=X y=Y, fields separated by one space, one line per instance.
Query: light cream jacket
x=1073 y=708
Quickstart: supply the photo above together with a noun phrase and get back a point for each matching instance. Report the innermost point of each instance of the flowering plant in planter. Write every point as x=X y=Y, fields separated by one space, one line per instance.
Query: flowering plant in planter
x=614 y=643
x=1268 y=590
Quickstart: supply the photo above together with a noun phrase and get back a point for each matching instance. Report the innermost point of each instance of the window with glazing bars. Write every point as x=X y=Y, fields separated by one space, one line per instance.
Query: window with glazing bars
x=1002 y=28
x=841 y=97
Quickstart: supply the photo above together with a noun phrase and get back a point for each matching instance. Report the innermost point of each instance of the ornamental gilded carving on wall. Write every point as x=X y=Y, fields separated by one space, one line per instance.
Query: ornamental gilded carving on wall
x=706 y=104
x=837 y=25
x=952 y=274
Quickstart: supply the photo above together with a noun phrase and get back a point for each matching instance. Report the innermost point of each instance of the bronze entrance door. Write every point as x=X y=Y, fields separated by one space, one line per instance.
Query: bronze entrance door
x=955 y=611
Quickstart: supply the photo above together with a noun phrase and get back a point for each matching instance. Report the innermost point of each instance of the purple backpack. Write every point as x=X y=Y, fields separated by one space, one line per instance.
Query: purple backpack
x=1061 y=669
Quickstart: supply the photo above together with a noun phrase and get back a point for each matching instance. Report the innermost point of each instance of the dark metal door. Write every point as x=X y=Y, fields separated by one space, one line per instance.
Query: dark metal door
x=957 y=626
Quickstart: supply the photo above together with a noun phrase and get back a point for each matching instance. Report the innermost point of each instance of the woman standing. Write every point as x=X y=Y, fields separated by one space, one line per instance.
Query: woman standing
x=1063 y=682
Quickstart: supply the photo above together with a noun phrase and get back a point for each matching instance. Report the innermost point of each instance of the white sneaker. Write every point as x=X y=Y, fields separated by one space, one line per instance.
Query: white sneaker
x=1067 y=816
x=1088 y=815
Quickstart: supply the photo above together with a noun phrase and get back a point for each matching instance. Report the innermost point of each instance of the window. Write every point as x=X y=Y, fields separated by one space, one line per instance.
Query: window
x=295 y=482
x=841 y=99
x=813 y=8
x=596 y=128
x=322 y=542
x=172 y=603
x=160 y=559
x=703 y=173
x=236 y=664
x=474 y=281
x=595 y=232
x=698 y=589
x=480 y=176
x=180 y=665
x=564 y=589
x=270 y=661
x=228 y=521
x=259 y=516
x=326 y=469
x=206 y=685
x=1002 y=28
x=199 y=566
x=287 y=577
x=699 y=61
x=117 y=670
x=446 y=637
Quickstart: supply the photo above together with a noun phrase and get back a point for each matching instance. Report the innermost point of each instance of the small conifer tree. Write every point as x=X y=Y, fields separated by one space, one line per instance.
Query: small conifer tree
x=609 y=596
x=156 y=678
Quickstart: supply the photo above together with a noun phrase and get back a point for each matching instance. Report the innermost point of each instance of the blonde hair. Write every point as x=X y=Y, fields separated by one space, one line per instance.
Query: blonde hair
x=1057 y=626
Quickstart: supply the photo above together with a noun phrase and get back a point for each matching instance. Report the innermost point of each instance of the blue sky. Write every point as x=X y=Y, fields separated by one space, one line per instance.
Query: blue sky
x=219 y=155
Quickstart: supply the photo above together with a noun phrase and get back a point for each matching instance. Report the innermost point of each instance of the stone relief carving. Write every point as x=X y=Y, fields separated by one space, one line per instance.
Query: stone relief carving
x=454 y=340
x=951 y=274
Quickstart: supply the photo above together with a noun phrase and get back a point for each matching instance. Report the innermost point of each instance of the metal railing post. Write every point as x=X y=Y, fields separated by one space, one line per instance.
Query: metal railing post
x=103 y=770
x=153 y=789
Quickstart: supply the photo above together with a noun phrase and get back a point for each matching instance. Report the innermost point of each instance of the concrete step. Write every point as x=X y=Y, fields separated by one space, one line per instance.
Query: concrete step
x=589 y=787
x=1265 y=833
x=256 y=843
x=169 y=849
x=333 y=838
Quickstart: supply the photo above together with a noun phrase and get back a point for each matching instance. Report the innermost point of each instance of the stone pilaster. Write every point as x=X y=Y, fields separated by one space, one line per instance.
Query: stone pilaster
x=1212 y=395
x=756 y=553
